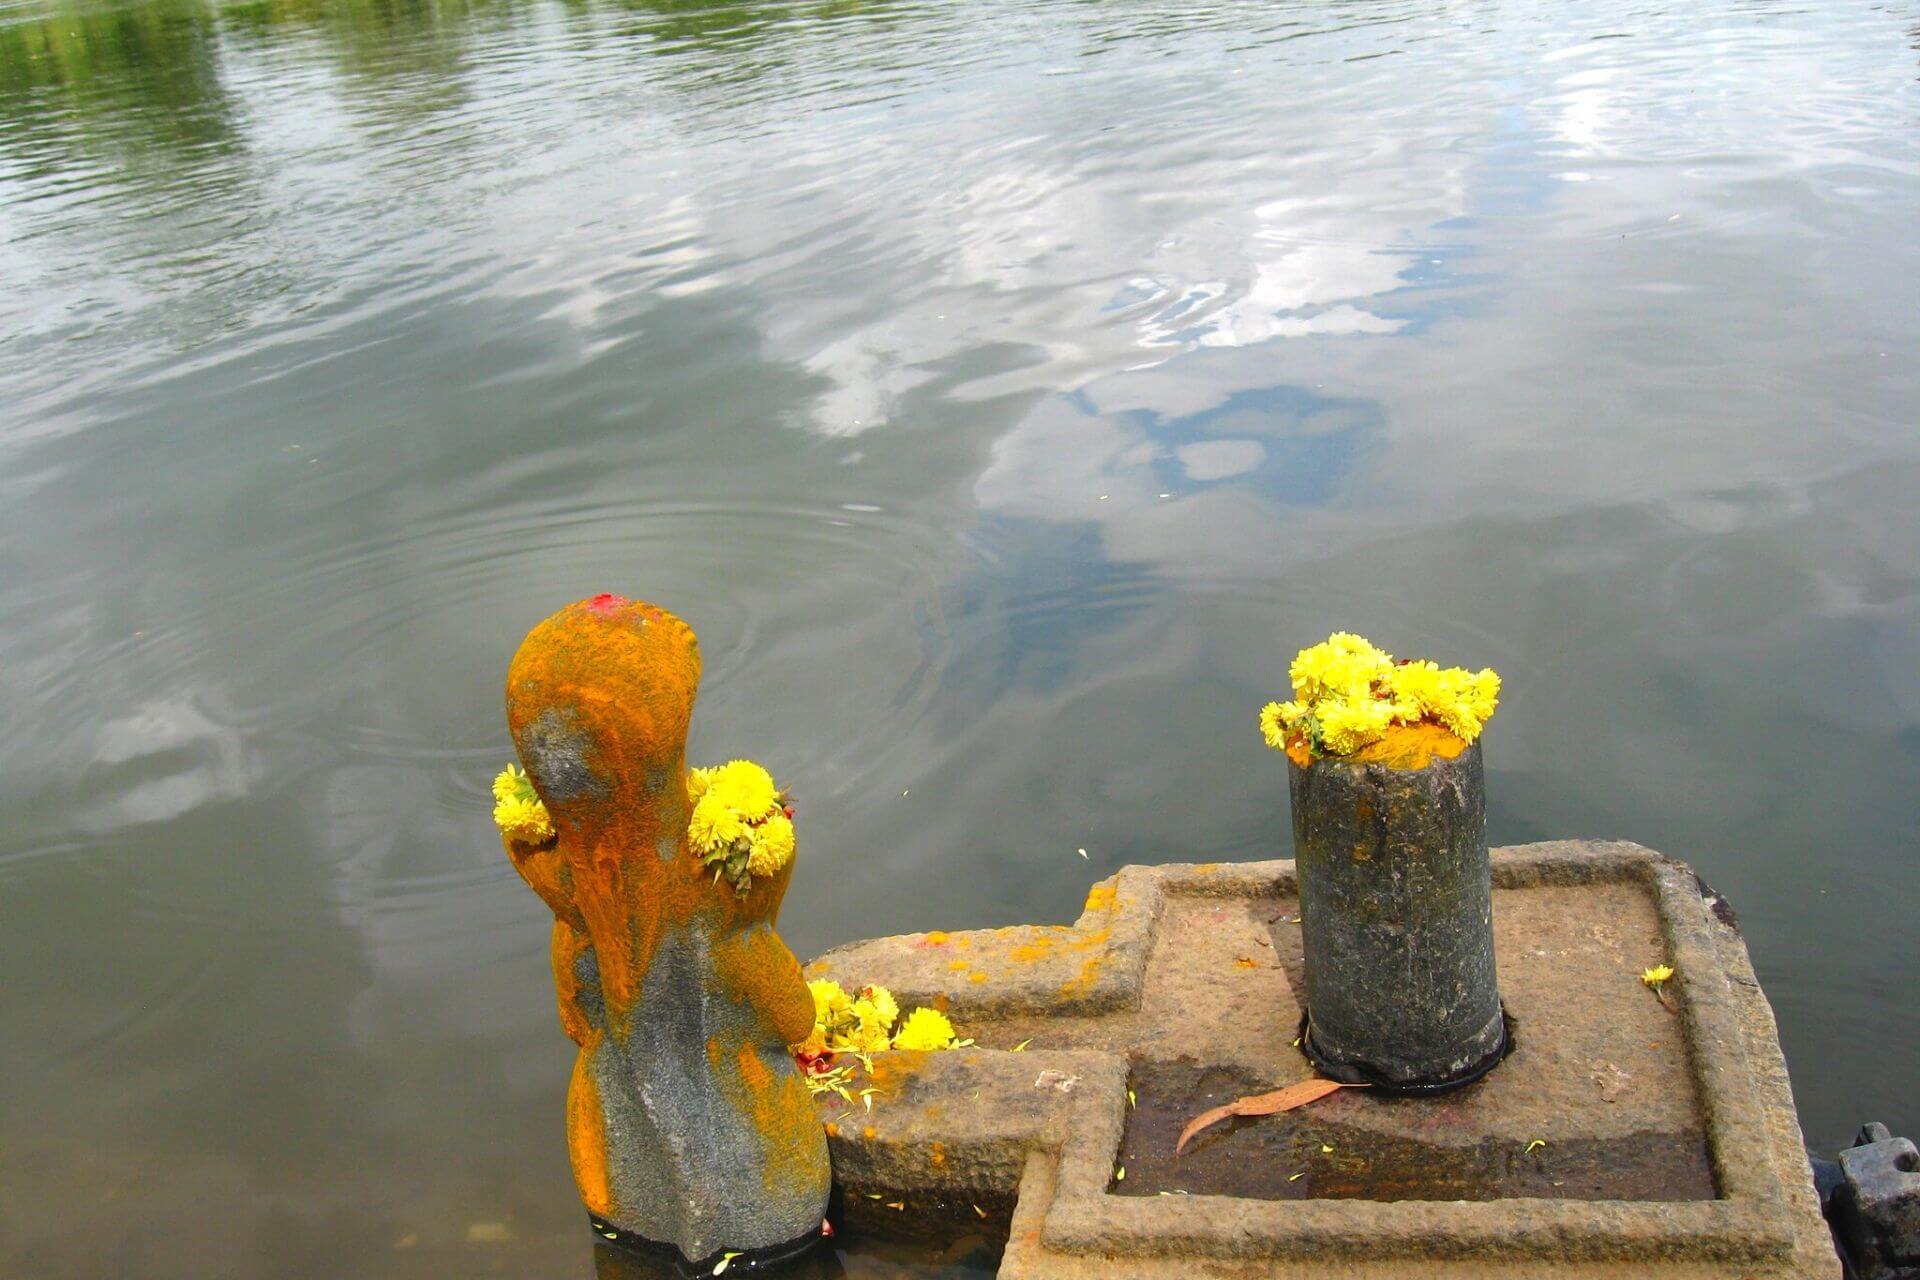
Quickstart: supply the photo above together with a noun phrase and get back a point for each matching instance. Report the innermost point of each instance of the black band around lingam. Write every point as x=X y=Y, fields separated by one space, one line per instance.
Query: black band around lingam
x=1360 y=1074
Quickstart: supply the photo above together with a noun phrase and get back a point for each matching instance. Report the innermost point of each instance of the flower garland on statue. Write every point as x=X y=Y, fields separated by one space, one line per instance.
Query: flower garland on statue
x=742 y=824
x=1347 y=694
x=517 y=811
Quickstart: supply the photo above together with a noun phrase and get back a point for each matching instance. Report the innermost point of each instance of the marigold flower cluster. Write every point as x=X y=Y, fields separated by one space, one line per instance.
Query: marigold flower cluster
x=865 y=1022
x=742 y=824
x=1347 y=693
x=517 y=811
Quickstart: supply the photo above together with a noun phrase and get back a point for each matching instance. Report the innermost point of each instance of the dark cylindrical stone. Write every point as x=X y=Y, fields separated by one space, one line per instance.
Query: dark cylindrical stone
x=1396 y=906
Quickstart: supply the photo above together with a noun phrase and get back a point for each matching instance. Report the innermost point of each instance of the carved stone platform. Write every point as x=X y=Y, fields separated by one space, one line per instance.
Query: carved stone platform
x=1624 y=1136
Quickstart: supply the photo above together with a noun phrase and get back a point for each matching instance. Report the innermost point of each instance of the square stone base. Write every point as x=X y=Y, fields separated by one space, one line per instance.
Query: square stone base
x=1625 y=1135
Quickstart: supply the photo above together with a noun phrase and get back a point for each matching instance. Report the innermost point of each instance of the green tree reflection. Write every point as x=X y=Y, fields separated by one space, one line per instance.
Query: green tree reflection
x=132 y=79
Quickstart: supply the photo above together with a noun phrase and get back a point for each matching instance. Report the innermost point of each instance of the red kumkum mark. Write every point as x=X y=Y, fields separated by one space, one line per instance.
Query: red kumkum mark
x=606 y=602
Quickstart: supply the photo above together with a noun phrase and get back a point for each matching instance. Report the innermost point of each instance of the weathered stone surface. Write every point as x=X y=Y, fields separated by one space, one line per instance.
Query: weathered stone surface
x=687 y=1122
x=1396 y=903
x=1619 y=1139
x=1879 y=1204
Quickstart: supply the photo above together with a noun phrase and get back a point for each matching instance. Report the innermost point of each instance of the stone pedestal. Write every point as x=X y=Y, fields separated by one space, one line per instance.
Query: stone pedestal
x=1621 y=1138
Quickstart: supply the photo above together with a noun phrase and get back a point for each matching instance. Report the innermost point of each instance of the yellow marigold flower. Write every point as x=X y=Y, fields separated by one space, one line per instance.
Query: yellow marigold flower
x=771 y=845
x=1417 y=683
x=517 y=810
x=883 y=1001
x=1273 y=726
x=1348 y=726
x=1657 y=976
x=830 y=1000
x=1467 y=701
x=739 y=825
x=1348 y=693
x=510 y=781
x=523 y=820
x=871 y=1030
x=925 y=1029
x=830 y=1003
x=744 y=787
x=1345 y=665
x=1483 y=694
x=714 y=825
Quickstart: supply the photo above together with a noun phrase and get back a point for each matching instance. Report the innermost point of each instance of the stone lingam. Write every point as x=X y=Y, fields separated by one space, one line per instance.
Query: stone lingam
x=689 y=1126
x=1389 y=805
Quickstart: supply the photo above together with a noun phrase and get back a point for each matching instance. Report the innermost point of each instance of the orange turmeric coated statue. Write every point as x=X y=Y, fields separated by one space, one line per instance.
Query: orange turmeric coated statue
x=687 y=1121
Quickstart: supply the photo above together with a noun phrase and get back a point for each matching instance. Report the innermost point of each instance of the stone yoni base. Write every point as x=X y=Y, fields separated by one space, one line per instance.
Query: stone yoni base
x=1622 y=1136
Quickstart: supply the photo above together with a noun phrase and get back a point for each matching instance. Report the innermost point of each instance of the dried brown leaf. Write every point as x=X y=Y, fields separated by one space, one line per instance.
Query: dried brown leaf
x=1262 y=1104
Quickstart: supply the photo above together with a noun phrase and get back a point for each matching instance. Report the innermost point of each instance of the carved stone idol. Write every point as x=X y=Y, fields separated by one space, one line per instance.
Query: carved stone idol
x=687 y=1121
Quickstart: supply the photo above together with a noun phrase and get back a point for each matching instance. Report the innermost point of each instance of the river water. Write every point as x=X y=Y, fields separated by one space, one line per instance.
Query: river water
x=1004 y=390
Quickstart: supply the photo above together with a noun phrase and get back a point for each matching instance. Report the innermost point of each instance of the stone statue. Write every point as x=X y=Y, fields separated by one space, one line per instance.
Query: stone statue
x=688 y=1124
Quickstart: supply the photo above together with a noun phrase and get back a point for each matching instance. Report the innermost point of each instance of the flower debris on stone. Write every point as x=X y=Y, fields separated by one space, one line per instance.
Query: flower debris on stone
x=858 y=1025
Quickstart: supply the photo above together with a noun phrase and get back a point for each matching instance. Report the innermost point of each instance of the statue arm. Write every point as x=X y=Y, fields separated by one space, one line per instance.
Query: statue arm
x=569 y=944
x=757 y=969
x=545 y=869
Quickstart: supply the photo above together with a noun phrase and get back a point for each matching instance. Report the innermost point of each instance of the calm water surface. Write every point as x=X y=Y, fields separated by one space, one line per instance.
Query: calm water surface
x=1005 y=390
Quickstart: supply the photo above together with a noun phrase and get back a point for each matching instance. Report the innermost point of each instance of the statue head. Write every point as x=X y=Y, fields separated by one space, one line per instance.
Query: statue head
x=598 y=701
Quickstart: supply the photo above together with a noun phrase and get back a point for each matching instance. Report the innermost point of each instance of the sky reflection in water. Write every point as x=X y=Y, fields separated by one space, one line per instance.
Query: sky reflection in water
x=1004 y=391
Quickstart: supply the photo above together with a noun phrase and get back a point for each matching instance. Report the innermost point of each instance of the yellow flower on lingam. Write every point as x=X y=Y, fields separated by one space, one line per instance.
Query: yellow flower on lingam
x=1347 y=725
x=1657 y=976
x=1348 y=693
x=517 y=810
x=740 y=824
